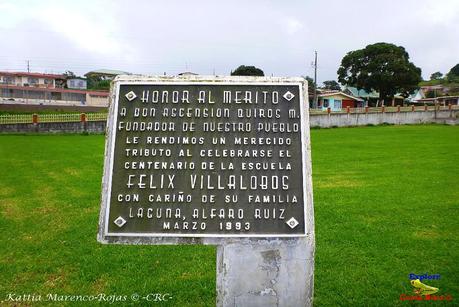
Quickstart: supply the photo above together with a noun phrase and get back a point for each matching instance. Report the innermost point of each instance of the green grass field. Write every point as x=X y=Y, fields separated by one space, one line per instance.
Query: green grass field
x=386 y=205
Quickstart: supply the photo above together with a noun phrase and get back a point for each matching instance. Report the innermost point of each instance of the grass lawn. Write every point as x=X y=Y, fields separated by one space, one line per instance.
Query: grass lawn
x=386 y=205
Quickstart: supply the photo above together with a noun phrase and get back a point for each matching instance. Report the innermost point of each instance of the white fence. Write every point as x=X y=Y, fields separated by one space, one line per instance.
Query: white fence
x=51 y=118
x=385 y=109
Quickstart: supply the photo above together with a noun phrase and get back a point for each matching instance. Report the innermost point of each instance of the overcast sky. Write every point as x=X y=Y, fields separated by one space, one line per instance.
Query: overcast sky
x=205 y=36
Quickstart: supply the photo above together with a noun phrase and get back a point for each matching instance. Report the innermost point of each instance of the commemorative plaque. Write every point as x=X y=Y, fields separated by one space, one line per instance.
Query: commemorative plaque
x=216 y=160
x=206 y=157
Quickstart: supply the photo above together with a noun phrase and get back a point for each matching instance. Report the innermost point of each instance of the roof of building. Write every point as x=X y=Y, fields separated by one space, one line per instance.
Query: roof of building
x=187 y=73
x=31 y=74
x=110 y=72
x=326 y=91
x=76 y=78
x=339 y=93
x=415 y=94
x=362 y=93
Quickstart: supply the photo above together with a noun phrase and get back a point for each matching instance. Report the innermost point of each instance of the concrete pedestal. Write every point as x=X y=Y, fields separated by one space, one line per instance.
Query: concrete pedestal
x=267 y=272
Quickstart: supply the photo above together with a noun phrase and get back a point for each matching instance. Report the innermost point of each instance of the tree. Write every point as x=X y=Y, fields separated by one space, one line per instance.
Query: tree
x=93 y=82
x=69 y=74
x=436 y=76
x=247 y=71
x=311 y=88
x=331 y=85
x=97 y=83
x=453 y=75
x=311 y=84
x=101 y=85
x=454 y=70
x=382 y=67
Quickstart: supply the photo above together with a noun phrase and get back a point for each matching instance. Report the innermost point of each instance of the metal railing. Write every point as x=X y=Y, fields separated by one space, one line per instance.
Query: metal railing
x=16 y=119
x=96 y=117
x=59 y=118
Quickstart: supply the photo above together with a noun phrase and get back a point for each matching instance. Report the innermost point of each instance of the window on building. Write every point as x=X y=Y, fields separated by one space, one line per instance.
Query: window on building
x=31 y=80
x=80 y=83
x=337 y=104
x=325 y=103
x=8 y=80
x=48 y=81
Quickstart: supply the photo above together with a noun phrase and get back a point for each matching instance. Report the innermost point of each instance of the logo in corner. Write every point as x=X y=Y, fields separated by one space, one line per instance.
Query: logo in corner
x=422 y=289
x=423 y=292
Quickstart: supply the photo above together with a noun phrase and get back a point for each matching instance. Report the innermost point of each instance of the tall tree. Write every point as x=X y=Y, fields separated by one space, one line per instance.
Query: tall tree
x=382 y=67
x=247 y=71
x=436 y=76
x=69 y=74
x=311 y=84
x=453 y=75
x=331 y=85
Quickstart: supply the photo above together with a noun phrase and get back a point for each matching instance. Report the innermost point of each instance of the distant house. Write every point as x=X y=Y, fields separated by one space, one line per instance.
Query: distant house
x=442 y=100
x=372 y=98
x=105 y=74
x=38 y=88
x=76 y=83
x=336 y=101
x=369 y=98
x=32 y=79
x=61 y=96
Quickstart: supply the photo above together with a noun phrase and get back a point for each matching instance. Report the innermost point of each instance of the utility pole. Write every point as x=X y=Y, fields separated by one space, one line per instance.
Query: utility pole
x=28 y=66
x=314 y=99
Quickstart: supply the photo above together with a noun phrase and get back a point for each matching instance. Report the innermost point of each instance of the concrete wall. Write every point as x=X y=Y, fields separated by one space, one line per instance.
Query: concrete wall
x=96 y=100
x=316 y=120
x=70 y=127
x=363 y=119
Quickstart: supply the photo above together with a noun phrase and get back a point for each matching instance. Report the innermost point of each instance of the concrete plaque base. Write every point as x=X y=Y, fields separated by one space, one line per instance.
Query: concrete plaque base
x=271 y=272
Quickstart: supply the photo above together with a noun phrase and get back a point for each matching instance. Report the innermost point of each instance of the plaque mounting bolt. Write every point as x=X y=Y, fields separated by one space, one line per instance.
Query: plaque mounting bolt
x=292 y=222
x=131 y=96
x=119 y=221
x=289 y=96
